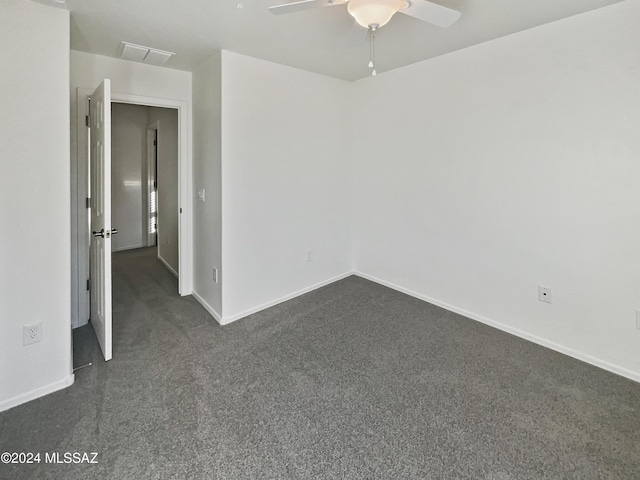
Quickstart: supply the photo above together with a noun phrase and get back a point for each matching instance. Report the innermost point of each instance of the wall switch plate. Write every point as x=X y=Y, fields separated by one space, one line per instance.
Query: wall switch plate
x=544 y=294
x=201 y=194
x=215 y=275
x=32 y=333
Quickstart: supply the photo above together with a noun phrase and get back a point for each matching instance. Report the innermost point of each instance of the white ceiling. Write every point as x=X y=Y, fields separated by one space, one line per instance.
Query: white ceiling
x=322 y=40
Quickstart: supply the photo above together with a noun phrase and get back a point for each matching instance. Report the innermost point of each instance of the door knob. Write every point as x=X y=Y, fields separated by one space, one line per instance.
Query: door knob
x=99 y=234
x=114 y=231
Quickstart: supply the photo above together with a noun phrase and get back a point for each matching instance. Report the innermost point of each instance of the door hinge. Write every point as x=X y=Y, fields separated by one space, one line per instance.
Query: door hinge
x=88 y=283
x=88 y=202
x=86 y=120
x=181 y=210
x=155 y=184
x=155 y=143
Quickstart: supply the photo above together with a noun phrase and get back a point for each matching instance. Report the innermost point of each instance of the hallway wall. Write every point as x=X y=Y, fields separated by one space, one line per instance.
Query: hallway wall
x=128 y=172
x=167 y=119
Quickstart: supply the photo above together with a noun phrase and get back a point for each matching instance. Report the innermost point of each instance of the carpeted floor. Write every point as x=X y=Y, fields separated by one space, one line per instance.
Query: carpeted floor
x=351 y=381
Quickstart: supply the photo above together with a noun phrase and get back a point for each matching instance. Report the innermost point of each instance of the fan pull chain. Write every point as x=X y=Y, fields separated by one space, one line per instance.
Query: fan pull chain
x=372 y=48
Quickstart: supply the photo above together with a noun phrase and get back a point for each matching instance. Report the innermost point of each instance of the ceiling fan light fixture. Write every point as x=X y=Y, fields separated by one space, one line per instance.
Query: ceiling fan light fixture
x=374 y=12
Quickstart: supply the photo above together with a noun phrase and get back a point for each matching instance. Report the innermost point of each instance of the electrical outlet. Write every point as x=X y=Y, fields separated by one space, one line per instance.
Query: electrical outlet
x=309 y=256
x=544 y=294
x=215 y=275
x=638 y=319
x=201 y=194
x=32 y=334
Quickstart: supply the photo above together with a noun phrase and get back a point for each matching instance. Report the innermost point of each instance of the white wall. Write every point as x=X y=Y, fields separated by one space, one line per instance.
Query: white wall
x=128 y=151
x=34 y=200
x=131 y=78
x=167 y=183
x=207 y=162
x=285 y=182
x=486 y=172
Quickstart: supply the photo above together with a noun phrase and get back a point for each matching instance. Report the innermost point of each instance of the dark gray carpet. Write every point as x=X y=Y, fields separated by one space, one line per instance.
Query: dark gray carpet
x=351 y=381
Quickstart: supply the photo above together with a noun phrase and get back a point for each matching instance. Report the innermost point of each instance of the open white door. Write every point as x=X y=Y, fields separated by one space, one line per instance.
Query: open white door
x=100 y=253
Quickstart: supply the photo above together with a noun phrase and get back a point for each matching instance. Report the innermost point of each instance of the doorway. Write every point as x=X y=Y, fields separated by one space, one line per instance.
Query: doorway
x=80 y=220
x=145 y=204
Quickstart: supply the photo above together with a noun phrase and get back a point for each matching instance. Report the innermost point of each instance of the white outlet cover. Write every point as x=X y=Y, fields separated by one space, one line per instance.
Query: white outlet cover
x=32 y=333
x=544 y=294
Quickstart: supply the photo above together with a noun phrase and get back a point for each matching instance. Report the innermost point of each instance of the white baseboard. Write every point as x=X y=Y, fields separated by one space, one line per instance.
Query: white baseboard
x=80 y=324
x=128 y=247
x=208 y=307
x=37 y=393
x=624 y=372
x=169 y=267
x=272 y=303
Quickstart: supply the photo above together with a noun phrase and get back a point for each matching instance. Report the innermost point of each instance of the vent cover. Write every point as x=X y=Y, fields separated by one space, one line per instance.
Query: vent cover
x=140 y=53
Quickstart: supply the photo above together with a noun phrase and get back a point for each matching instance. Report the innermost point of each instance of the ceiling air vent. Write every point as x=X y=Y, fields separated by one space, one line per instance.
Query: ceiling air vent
x=140 y=53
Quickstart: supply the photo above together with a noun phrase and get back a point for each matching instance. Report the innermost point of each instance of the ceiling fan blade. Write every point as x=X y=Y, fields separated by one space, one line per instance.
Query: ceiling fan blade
x=303 y=5
x=431 y=13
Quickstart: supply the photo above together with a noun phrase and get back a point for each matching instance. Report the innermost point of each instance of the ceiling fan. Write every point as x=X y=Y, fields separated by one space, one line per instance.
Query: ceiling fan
x=376 y=13
x=373 y=14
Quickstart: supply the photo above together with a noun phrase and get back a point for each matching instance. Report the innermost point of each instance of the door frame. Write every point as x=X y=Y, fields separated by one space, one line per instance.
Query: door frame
x=80 y=232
